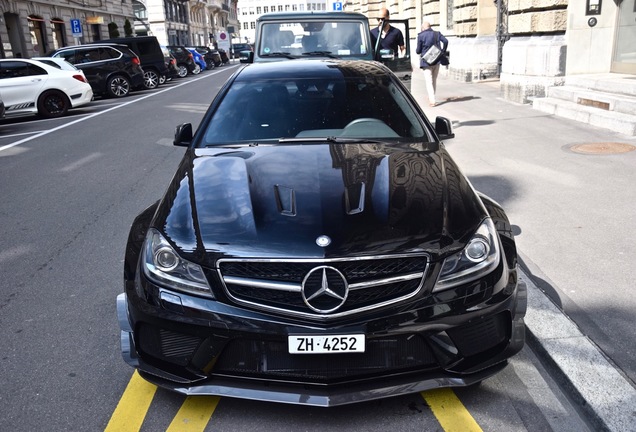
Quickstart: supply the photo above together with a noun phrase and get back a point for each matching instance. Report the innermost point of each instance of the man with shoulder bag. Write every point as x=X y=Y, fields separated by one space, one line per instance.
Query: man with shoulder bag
x=431 y=46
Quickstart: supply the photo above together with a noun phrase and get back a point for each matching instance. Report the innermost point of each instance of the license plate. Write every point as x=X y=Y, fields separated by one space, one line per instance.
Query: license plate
x=326 y=344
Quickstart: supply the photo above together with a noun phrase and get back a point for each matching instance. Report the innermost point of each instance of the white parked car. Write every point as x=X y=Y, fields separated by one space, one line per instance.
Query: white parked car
x=49 y=89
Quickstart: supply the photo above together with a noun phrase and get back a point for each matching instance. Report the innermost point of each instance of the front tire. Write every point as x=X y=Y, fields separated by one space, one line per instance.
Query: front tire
x=196 y=70
x=183 y=71
x=151 y=79
x=118 y=86
x=53 y=103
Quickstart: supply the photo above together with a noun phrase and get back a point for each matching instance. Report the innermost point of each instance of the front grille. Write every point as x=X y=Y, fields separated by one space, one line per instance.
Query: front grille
x=271 y=359
x=276 y=285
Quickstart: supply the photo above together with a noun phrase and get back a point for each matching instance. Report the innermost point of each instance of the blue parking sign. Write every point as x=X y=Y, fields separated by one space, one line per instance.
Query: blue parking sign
x=337 y=6
x=76 y=27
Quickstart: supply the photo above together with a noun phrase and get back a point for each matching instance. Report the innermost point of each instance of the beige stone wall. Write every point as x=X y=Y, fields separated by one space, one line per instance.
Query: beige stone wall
x=538 y=22
x=537 y=16
x=465 y=17
x=431 y=12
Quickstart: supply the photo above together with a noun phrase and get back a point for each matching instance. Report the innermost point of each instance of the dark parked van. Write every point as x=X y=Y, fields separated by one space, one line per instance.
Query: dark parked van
x=152 y=59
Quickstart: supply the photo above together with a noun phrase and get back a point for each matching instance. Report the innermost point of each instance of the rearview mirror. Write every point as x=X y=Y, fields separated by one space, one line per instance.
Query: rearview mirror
x=246 y=57
x=387 y=54
x=183 y=135
x=444 y=128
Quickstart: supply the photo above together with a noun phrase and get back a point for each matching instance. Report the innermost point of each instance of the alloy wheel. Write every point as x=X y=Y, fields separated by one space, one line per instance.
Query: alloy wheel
x=151 y=79
x=118 y=86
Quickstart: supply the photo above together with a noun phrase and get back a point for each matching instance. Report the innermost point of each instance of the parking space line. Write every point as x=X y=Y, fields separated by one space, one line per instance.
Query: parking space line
x=194 y=414
x=20 y=134
x=133 y=405
x=449 y=411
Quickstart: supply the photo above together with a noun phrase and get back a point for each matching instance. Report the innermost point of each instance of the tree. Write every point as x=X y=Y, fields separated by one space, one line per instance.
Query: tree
x=128 y=29
x=113 y=30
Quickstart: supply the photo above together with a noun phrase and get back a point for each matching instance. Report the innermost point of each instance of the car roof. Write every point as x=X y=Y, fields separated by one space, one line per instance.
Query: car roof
x=312 y=68
x=36 y=62
x=121 y=47
x=331 y=16
x=57 y=60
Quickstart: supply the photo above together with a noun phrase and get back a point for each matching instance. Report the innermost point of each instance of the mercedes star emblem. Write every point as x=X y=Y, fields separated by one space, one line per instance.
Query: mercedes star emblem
x=324 y=289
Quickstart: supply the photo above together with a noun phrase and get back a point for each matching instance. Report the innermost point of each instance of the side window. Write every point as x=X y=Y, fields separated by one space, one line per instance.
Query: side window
x=50 y=63
x=68 y=55
x=87 y=55
x=36 y=70
x=143 y=49
x=16 y=69
x=108 y=53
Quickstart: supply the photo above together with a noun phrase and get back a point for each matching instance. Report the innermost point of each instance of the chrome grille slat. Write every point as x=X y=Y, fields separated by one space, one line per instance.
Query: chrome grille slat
x=275 y=285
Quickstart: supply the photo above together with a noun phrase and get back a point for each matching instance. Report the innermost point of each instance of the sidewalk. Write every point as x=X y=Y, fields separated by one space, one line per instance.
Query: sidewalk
x=574 y=215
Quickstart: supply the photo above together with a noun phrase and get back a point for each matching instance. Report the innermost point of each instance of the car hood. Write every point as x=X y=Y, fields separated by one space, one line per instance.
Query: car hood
x=276 y=201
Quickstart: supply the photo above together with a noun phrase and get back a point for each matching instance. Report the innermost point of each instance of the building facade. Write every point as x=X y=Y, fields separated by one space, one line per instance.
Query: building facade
x=187 y=22
x=35 y=27
x=250 y=10
x=30 y=28
x=530 y=45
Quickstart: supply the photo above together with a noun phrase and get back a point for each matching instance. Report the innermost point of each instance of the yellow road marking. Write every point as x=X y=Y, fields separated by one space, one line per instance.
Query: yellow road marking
x=194 y=414
x=449 y=411
x=133 y=405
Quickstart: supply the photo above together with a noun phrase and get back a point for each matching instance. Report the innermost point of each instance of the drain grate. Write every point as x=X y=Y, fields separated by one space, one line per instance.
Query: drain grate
x=602 y=148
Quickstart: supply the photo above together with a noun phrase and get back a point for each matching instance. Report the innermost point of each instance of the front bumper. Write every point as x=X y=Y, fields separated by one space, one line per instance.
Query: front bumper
x=455 y=365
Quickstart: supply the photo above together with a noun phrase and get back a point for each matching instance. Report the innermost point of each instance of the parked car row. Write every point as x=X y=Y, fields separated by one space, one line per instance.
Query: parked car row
x=69 y=77
x=47 y=87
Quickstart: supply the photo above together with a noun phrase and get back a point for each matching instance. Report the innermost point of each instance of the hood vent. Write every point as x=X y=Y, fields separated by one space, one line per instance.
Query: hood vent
x=285 y=200
x=354 y=198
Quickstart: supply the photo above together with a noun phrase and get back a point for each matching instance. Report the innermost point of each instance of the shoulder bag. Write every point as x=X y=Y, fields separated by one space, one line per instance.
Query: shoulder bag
x=432 y=55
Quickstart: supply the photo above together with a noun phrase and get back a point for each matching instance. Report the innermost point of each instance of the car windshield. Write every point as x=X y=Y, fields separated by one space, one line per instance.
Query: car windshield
x=334 y=109
x=342 y=39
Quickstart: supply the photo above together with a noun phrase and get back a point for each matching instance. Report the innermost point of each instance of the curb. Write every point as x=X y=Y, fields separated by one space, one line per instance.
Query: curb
x=606 y=396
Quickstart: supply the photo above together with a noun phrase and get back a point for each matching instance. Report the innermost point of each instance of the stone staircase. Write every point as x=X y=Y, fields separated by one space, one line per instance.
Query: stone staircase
x=603 y=100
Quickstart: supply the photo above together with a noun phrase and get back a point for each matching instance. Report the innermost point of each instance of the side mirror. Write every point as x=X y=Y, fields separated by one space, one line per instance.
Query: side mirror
x=387 y=54
x=246 y=57
x=444 y=128
x=183 y=135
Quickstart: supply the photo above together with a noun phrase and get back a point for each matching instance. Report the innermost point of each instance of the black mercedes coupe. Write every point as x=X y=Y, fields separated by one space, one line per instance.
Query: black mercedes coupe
x=318 y=245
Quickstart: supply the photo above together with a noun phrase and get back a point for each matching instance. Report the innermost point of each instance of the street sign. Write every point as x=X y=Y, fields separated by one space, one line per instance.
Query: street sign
x=76 y=28
x=337 y=6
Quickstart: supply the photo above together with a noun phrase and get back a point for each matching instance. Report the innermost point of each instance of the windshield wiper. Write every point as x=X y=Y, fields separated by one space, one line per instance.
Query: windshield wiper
x=279 y=54
x=321 y=53
x=331 y=140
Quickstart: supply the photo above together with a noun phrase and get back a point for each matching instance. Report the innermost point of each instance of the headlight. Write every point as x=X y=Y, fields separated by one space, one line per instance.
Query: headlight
x=163 y=266
x=479 y=257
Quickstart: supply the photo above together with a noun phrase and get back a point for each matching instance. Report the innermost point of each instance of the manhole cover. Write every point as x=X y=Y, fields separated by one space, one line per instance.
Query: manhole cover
x=602 y=148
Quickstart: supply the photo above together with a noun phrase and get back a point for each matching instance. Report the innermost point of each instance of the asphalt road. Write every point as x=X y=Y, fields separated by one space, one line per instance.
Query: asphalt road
x=70 y=189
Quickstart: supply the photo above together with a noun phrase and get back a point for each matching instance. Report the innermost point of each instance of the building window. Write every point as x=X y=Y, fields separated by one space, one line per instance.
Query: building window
x=58 y=32
x=258 y=10
x=253 y=25
x=38 y=35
